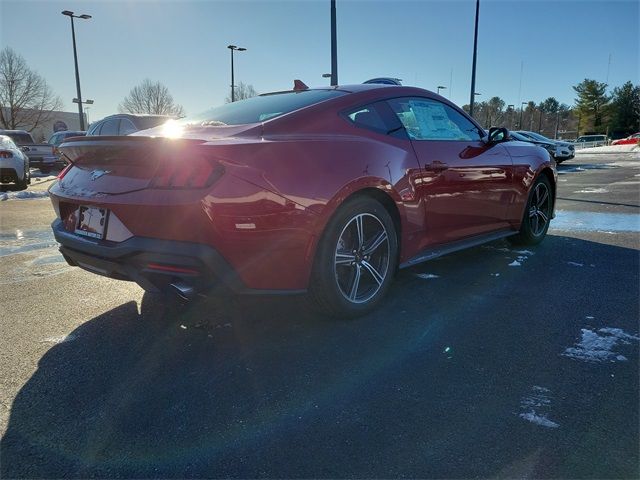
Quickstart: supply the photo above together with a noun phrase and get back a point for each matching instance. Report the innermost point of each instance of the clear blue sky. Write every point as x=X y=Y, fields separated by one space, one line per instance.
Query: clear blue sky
x=183 y=45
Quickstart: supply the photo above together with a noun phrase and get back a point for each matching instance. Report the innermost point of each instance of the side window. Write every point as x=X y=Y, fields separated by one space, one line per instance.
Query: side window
x=54 y=139
x=377 y=117
x=110 y=127
x=126 y=127
x=426 y=119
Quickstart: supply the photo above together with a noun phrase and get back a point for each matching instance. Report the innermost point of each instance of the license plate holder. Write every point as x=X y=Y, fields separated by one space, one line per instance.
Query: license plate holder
x=92 y=222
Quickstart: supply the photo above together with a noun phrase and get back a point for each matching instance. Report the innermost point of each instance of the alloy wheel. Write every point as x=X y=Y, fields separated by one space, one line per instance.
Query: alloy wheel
x=361 y=262
x=539 y=209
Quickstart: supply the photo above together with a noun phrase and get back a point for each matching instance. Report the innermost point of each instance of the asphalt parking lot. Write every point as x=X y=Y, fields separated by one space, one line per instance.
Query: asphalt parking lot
x=493 y=362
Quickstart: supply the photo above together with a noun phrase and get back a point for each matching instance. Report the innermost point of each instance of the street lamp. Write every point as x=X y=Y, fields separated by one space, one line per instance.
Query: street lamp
x=520 y=122
x=334 y=45
x=75 y=59
x=510 y=110
x=233 y=87
x=440 y=87
x=86 y=102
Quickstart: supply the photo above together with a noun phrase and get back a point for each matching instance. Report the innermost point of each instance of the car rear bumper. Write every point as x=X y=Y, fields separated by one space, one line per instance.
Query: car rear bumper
x=153 y=264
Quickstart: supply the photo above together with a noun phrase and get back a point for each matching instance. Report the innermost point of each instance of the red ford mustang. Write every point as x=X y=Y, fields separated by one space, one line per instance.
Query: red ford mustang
x=327 y=191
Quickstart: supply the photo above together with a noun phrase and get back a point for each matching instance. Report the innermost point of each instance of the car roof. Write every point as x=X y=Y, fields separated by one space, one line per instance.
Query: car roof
x=2 y=131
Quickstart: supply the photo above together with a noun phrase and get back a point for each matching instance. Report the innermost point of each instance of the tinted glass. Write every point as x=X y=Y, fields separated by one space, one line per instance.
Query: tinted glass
x=369 y=117
x=110 y=127
x=20 y=138
x=426 y=119
x=149 y=122
x=264 y=107
x=55 y=139
x=126 y=127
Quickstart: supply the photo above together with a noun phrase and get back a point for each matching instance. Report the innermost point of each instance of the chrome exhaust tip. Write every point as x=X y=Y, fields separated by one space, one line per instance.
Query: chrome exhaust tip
x=184 y=291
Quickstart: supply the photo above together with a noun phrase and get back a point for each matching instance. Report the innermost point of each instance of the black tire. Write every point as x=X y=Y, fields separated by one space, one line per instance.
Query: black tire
x=361 y=225
x=537 y=214
x=22 y=184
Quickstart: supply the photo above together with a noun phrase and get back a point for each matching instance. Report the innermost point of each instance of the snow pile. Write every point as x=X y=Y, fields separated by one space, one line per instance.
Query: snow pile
x=427 y=276
x=609 y=149
x=534 y=406
x=23 y=195
x=598 y=346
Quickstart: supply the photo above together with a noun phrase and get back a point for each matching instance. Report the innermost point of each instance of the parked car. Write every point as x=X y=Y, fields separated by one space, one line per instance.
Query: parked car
x=40 y=155
x=327 y=191
x=126 y=124
x=586 y=141
x=562 y=151
x=14 y=164
x=549 y=147
x=630 y=140
x=57 y=138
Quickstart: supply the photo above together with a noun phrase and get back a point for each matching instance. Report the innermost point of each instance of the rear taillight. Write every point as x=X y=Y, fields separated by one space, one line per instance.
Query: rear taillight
x=5 y=154
x=64 y=171
x=188 y=174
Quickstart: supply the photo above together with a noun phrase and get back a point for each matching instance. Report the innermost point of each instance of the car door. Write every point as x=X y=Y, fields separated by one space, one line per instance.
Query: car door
x=466 y=184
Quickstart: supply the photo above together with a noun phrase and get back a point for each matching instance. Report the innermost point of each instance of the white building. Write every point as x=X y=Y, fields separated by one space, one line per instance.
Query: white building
x=54 y=122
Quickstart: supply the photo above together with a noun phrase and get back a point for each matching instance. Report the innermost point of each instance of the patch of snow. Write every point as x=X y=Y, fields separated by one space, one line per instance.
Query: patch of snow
x=589 y=317
x=597 y=346
x=494 y=274
x=592 y=190
x=525 y=252
x=621 y=358
x=60 y=339
x=541 y=420
x=23 y=195
x=427 y=276
x=576 y=264
x=515 y=263
x=533 y=407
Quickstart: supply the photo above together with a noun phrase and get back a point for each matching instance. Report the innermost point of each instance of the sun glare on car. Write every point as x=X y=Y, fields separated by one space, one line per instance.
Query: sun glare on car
x=172 y=129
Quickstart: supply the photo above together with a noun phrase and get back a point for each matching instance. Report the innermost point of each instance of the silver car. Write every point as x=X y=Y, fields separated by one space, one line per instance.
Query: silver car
x=14 y=164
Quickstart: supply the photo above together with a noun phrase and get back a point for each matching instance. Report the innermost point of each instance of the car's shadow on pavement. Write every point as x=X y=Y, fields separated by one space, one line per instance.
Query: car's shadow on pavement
x=430 y=385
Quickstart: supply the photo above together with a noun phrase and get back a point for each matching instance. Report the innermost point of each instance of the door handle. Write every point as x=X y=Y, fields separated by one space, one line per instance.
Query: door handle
x=436 y=166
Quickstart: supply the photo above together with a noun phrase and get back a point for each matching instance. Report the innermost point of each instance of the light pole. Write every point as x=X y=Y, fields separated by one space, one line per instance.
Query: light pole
x=520 y=122
x=510 y=110
x=440 y=87
x=233 y=87
x=475 y=55
x=86 y=102
x=75 y=59
x=334 y=45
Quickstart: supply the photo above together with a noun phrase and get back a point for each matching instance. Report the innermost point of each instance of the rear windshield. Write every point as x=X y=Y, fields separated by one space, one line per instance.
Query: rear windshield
x=20 y=138
x=263 y=107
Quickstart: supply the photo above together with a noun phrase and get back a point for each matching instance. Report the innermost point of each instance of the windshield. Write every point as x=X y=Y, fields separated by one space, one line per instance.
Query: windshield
x=538 y=136
x=261 y=108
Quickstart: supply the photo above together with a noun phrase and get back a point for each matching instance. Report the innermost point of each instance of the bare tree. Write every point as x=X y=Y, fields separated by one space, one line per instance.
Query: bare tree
x=152 y=98
x=242 y=91
x=26 y=100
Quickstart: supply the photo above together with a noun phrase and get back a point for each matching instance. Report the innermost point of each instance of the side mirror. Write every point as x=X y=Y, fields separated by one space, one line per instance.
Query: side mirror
x=497 y=135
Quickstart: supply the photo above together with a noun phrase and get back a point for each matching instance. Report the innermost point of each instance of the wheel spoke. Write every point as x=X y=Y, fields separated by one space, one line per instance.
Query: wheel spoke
x=353 y=292
x=542 y=200
x=379 y=240
x=535 y=227
x=360 y=229
x=532 y=212
x=374 y=273
x=343 y=258
x=544 y=217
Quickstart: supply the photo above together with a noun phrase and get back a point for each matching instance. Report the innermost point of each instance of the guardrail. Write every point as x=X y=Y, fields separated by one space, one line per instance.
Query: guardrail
x=581 y=145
